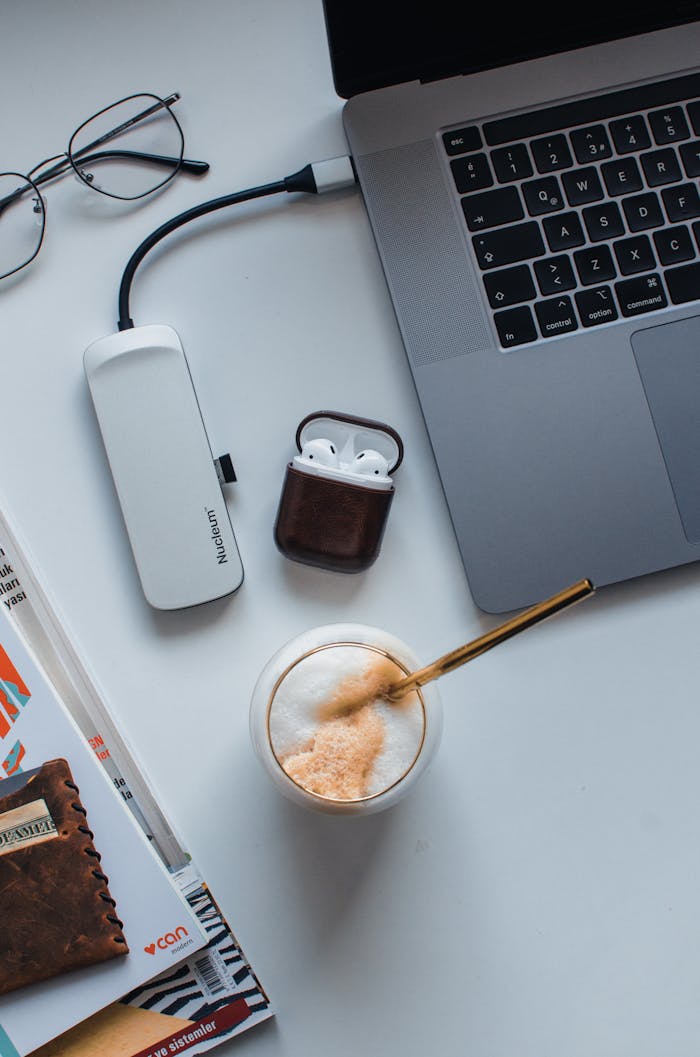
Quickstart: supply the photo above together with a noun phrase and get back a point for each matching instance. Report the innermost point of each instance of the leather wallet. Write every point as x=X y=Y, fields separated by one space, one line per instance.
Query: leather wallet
x=57 y=911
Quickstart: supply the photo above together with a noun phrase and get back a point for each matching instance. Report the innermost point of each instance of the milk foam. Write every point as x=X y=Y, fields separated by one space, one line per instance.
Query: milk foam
x=294 y=716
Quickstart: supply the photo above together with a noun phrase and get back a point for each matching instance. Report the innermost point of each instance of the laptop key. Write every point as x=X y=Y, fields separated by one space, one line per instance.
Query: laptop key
x=542 y=196
x=508 y=245
x=515 y=326
x=511 y=163
x=642 y=212
x=643 y=294
x=694 y=115
x=510 y=286
x=596 y=306
x=669 y=125
x=462 y=140
x=603 y=222
x=661 y=167
x=683 y=283
x=582 y=186
x=563 y=232
x=594 y=265
x=634 y=255
x=556 y=316
x=629 y=134
x=674 y=245
x=551 y=153
x=554 y=275
x=492 y=208
x=690 y=156
x=622 y=176
x=591 y=144
x=471 y=173
x=681 y=202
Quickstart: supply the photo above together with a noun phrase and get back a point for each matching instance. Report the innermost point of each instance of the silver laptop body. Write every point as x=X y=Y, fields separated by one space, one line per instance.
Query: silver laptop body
x=575 y=454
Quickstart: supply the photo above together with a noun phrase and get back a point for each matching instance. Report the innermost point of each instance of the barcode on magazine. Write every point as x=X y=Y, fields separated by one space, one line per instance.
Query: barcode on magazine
x=210 y=980
x=211 y=974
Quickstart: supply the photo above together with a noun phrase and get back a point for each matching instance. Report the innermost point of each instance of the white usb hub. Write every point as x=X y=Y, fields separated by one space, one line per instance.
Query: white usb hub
x=163 y=468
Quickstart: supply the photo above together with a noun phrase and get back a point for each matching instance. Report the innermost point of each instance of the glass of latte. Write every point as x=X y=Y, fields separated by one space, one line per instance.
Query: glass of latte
x=326 y=732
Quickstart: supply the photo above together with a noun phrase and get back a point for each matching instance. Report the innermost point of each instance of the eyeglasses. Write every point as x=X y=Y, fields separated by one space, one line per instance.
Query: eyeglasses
x=127 y=151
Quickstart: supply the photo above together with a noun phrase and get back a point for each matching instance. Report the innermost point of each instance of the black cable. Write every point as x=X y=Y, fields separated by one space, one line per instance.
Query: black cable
x=125 y=321
x=312 y=179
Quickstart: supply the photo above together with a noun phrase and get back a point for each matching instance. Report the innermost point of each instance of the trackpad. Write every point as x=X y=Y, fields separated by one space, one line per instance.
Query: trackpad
x=668 y=359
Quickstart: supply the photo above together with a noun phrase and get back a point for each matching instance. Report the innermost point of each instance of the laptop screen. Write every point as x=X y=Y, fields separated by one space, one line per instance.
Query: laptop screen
x=374 y=43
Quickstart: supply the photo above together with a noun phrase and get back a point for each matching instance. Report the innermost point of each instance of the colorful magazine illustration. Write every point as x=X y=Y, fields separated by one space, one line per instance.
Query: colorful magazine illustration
x=212 y=994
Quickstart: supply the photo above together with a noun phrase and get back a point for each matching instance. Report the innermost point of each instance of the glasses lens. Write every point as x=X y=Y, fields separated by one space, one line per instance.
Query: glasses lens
x=21 y=222
x=130 y=149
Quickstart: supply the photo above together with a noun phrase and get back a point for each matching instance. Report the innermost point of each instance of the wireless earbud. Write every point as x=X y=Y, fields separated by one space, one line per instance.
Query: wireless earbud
x=320 y=451
x=370 y=463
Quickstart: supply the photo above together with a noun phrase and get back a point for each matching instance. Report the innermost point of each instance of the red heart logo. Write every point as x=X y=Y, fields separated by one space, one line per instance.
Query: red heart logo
x=150 y=949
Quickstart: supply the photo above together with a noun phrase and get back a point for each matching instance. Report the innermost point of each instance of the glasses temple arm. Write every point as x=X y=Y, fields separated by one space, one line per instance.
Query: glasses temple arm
x=197 y=168
x=188 y=165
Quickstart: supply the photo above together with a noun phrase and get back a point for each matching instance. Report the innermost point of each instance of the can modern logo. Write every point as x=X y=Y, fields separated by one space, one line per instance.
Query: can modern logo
x=163 y=942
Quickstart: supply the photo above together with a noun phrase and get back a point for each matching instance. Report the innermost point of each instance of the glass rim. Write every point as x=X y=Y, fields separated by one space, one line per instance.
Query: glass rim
x=40 y=240
x=333 y=799
x=75 y=162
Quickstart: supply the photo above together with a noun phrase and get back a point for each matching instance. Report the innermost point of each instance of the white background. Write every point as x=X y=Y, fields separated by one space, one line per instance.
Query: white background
x=537 y=895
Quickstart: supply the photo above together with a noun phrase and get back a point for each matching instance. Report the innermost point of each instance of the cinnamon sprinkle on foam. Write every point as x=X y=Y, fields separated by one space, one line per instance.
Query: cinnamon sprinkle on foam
x=339 y=761
x=361 y=688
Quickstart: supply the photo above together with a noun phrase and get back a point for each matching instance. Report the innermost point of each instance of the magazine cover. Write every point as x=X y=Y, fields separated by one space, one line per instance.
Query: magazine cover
x=214 y=994
x=89 y=912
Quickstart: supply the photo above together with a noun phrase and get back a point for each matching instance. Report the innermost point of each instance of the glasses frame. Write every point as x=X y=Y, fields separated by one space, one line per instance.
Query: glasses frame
x=63 y=163
x=41 y=209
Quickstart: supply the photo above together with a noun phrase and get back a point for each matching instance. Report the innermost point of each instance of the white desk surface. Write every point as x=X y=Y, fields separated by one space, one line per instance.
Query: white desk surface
x=537 y=894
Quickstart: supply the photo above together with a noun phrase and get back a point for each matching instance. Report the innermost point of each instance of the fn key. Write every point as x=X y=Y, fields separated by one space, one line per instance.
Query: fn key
x=515 y=326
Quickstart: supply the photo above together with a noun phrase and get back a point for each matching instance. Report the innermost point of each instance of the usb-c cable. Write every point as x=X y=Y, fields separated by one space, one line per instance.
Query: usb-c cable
x=320 y=177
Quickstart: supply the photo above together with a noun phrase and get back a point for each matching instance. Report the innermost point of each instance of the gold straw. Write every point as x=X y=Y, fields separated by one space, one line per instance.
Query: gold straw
x=462 y=654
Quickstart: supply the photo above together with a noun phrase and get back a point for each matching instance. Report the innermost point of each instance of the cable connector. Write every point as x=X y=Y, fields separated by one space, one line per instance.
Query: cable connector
x=333 y=174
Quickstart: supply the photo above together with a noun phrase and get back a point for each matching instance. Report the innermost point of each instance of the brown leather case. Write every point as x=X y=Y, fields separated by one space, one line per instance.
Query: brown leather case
x=330 y=524
x=57 y=912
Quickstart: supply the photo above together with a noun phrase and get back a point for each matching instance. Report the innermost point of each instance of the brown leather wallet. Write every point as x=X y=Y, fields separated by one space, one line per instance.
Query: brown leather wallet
x=57 y=911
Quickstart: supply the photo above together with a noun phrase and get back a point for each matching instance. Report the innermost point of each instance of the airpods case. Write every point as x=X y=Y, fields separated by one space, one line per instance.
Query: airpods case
x=337 y=491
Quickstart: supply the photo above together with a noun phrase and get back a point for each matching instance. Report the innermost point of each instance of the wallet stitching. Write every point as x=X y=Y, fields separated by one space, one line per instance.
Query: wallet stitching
x=94 y=854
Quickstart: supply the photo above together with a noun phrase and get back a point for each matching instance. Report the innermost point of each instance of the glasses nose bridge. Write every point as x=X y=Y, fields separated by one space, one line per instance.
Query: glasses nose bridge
x=59 y=164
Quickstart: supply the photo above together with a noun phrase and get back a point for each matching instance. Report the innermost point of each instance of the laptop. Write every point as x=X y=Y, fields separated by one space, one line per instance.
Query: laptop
x=531 y=179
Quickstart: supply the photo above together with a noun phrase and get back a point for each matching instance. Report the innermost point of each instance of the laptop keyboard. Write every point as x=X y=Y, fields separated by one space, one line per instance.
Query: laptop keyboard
x=584 y=213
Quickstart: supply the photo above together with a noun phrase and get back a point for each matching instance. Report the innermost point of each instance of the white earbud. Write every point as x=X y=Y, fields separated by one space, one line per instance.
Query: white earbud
x=319 y=452
x=370 y=463
x=334 y=460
